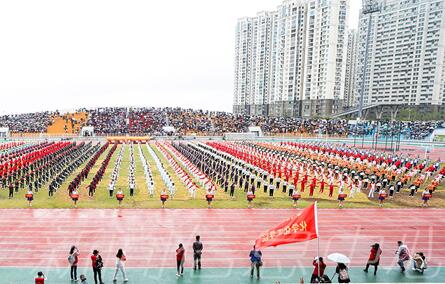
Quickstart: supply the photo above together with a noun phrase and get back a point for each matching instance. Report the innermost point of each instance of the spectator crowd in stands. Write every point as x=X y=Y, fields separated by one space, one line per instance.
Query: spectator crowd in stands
x=152 y=121
x=28 y=122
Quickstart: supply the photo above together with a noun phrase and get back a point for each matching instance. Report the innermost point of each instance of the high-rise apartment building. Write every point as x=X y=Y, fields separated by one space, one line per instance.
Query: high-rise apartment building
x=351 y=58
x=406 y=53
x=292 y=61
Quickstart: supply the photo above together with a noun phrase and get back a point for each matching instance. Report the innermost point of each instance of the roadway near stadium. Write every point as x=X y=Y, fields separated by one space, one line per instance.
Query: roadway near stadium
x=34 y=240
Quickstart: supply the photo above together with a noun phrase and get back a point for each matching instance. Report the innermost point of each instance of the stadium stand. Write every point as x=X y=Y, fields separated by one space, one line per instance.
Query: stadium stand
x=151 y=121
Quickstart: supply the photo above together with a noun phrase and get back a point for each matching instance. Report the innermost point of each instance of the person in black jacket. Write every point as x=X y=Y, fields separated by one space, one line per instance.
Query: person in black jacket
x=197 y=252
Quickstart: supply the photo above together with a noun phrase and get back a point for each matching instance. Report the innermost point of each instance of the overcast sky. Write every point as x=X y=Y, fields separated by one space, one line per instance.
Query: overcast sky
x=88 y=53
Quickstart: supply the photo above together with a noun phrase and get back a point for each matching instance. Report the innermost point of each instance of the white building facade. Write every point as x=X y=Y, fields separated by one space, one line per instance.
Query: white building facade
x=405 y=54
x=292 y=61
x=351 y=60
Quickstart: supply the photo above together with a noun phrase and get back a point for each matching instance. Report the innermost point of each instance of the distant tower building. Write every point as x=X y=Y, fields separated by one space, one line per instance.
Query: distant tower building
x=243 y=65
x=261 y=48
x=292 y=62
x=351 y=59
x=406 y=53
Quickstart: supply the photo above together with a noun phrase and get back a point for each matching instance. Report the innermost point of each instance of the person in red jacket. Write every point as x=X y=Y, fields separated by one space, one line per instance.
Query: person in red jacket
x=331 y=189
x=322 y=182
x=180 y=259
x=40 y=279
x=318 y=264
x=374 y=258
x=302 y=185
x=311 y=189
x=97 y=264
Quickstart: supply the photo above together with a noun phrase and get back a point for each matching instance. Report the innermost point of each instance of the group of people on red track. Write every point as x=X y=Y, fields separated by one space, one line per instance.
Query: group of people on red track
x=97 y=263
x=419 y=263
x=418 y=260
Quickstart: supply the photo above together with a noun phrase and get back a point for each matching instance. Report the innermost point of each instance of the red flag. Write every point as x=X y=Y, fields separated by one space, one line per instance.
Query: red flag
x=300 y=228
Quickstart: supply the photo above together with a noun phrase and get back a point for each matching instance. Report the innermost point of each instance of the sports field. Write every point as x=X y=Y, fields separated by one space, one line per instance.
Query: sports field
x=39 y=239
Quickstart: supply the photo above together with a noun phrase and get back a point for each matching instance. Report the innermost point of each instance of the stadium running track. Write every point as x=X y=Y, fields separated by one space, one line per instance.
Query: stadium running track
x=39 y=239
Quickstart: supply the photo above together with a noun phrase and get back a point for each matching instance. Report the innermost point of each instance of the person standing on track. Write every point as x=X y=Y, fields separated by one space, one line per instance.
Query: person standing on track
x=73 y=259
x=197 y=252
x=120 y=265
x=97 y=264
x=318 y=264
x=180 y=259
x=374 y=258
x=255 y=259
x=402 y=255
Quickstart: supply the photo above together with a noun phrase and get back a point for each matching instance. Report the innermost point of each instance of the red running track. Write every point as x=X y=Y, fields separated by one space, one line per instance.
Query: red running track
x=42 y=237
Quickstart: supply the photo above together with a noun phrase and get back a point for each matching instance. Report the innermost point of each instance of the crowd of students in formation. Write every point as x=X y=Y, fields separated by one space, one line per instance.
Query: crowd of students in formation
x=290 y=168
x=131 y=168
x=35 y=165
x=165 y=176
x=293 y=168
x=148 y=120
x=147 y=172
x=418 y=263
x=116 y=170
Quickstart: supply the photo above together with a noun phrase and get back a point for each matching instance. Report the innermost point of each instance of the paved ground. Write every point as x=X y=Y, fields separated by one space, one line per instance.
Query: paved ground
x=221 y=276
x=39 y=239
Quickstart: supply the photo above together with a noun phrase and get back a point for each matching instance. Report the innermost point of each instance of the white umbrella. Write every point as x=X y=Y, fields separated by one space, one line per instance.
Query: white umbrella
x=339 y=258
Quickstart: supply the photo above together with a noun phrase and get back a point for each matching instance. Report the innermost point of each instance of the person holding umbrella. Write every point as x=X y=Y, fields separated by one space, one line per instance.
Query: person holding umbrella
x=341 y=269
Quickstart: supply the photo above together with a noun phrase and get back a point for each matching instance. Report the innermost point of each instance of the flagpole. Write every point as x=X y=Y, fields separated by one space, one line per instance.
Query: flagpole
x=318 y=239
